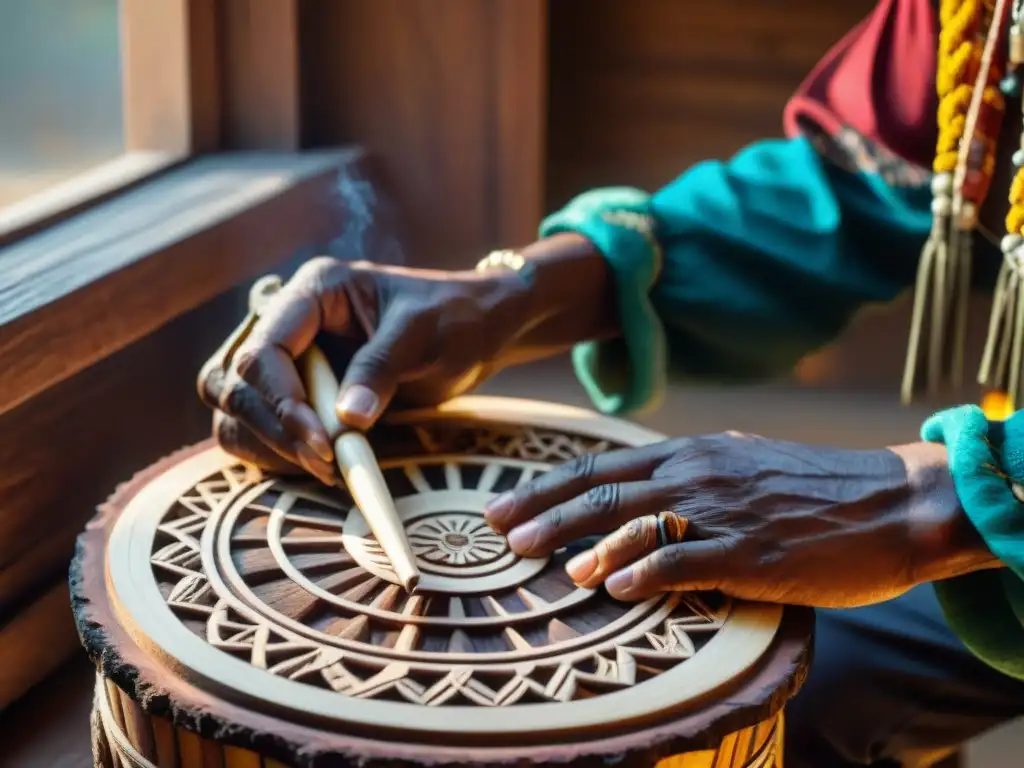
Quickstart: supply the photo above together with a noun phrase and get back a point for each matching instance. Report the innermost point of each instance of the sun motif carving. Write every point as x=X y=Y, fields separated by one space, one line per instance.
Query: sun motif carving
x=455 y=539
x=527 y=444
x=287 y=577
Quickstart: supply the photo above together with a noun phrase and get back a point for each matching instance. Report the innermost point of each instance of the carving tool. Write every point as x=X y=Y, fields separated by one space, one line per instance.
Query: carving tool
x=352 y=452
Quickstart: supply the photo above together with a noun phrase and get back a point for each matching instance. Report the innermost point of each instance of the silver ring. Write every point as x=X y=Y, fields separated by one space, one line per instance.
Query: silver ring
x=662 y=532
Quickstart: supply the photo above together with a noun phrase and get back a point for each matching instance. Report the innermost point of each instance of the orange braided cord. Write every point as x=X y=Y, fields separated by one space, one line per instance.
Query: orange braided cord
x=981 y=161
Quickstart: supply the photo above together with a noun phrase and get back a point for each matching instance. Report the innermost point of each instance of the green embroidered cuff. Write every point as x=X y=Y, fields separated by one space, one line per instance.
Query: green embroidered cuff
x=628 y=374
x=986 y=608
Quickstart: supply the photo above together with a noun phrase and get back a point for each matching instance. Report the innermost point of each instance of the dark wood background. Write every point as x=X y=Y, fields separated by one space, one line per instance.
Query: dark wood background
x=488 y=113
x=642 y=90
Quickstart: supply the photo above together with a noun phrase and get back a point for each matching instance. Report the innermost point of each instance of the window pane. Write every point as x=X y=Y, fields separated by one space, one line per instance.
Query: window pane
x=60 y=91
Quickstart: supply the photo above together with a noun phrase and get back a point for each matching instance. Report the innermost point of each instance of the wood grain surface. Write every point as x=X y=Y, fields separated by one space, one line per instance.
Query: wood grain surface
x=101 y=341
x=154 y=253
x=171 y=77
x=452 y=96
x=260 y=77
x=642 y=90
x=79 y=439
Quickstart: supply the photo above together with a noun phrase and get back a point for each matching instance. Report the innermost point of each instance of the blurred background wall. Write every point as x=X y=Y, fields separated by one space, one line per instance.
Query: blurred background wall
x=484 y=115
x=489 y=114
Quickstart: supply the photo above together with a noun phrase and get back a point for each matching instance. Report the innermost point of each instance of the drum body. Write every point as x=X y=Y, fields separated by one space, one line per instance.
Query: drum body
x=238 y=619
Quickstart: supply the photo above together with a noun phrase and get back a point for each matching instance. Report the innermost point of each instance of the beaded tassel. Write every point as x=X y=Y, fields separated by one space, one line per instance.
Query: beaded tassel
x=970 y=111
x=1003 y=358
x=931 y=283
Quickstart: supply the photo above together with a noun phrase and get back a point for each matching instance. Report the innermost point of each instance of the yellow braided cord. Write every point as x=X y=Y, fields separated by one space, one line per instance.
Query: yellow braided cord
x=964 y=23
x=1015 y=216
x=947 y=9
x=957 y=52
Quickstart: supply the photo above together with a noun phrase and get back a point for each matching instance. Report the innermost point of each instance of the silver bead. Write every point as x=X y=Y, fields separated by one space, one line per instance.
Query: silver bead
x=942 y=206
x=1016 y=44
x=942 y=184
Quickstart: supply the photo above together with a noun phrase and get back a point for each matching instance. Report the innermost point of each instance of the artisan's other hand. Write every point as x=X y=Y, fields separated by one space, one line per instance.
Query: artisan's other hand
x=767 y=520
x=421 y=336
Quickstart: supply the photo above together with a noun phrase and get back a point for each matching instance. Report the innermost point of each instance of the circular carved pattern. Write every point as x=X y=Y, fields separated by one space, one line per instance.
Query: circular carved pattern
x=276 y=591
x=455 y=539
x=455 y=549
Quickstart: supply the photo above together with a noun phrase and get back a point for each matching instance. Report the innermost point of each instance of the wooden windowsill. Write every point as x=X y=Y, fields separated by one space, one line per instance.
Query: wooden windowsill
x=53 y=204
x=90 y=285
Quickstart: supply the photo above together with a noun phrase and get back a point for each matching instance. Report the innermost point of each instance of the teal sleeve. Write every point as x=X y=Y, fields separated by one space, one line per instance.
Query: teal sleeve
x=986 y=608
x=737 y=269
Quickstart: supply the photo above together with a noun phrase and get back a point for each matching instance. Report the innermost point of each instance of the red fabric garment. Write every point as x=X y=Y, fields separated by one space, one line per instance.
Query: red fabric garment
x=879 y=80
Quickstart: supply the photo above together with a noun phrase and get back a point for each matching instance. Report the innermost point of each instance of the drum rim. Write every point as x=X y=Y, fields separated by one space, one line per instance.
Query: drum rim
x=579 y=421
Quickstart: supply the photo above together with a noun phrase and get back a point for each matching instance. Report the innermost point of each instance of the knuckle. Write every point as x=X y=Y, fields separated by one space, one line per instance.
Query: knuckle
x=634 y=529
x=667 y=559
x=225 y=432
x=320 y=282
x=316 y=272
x=583 y=468
x=526 y=492
x=250 y=359
x=554 y=518
x=637 y=533
x=235 y=398
x=601 y=500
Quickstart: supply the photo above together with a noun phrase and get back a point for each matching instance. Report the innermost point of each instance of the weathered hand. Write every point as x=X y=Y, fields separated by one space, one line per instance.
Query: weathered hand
x=767 y=520
x=420 y=335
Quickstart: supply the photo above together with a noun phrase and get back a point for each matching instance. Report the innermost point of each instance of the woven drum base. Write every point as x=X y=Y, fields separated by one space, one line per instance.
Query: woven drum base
x=126 y=737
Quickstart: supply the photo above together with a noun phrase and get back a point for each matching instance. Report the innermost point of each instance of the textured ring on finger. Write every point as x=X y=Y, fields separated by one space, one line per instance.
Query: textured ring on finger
x=671 y=528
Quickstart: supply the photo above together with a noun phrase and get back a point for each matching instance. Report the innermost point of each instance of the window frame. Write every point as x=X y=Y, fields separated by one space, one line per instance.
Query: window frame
x=197 y=76
x=170 y=100
x=205 y=81
x=139 y=267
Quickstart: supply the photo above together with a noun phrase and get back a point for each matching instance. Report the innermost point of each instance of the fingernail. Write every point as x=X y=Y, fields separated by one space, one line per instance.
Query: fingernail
x=312 y=463
x=358 y=402
x=620 y=583
x=582 y=567
x=318 y=443
x=522 y=538
x=302 y=453
x=497 y=509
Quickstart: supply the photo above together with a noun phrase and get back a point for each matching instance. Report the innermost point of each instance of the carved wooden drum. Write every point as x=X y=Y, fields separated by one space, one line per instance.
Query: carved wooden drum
x=245 y=621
